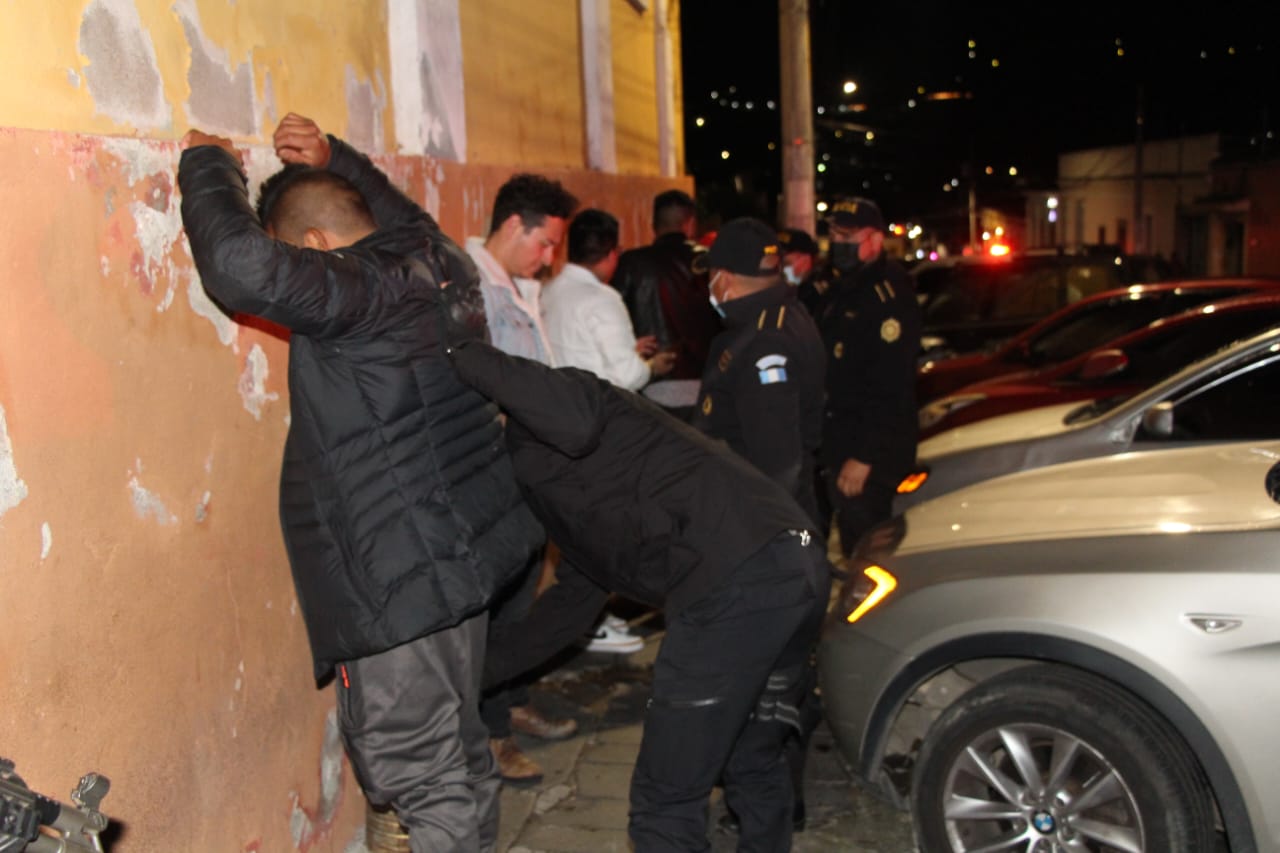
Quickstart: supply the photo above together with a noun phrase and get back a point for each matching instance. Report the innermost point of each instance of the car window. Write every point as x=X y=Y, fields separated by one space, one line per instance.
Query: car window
x=1092 y=326
x=1087 y=279
x=1166 y=352
x=1240 y=406
x=1025 y=292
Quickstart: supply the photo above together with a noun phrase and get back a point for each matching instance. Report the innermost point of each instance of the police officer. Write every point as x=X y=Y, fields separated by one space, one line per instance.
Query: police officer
x=762 y=388
x=871 y=328
x=762 y=393
x=802 y=270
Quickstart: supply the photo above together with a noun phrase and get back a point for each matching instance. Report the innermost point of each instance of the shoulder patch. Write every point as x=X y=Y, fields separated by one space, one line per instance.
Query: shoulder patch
x=772 y=368
x=890 y=330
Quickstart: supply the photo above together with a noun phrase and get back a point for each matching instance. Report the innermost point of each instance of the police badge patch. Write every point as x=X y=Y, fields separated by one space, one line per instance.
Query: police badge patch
x=890 y=330
x=773 y=368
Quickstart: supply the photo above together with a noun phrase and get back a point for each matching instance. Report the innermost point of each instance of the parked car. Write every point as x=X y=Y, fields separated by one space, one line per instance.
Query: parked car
x=1080 y=657
x=1121 y=366
x=968 y=303
x=1079 y=327
x=1233 y=395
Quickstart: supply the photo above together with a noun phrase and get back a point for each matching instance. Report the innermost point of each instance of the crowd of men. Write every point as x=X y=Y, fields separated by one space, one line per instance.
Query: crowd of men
x=478 y=460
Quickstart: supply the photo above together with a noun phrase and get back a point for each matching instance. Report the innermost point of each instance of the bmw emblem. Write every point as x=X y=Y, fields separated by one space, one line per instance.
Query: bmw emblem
x=1044 y=822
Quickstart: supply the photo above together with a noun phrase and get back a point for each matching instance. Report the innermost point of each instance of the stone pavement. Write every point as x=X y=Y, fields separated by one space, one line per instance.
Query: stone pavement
x=581 y=805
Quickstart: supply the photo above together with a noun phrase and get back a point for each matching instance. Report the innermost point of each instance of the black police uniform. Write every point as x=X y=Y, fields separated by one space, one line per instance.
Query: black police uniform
x=813 y=291
x=871 y=327
x=762 y=389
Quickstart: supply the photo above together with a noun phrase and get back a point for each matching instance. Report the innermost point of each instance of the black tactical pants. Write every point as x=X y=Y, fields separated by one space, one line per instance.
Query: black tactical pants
x=411 y=724
x=726 y=684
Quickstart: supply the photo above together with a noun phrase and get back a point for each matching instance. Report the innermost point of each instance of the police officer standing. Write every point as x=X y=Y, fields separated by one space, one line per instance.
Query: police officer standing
x=871 y=328
x=762 y=388
x=762 y=393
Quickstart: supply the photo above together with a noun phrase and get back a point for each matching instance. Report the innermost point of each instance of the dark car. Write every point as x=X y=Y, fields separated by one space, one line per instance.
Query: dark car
x=970 y=303
x=1079 y=327
x=1122 y=366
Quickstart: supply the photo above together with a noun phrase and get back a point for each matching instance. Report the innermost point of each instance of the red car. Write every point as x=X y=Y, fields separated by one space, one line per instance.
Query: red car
x=1078 y=328
x=1122 y=366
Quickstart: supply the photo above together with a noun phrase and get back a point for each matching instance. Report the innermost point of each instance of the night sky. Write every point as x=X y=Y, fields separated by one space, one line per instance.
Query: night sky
x=1068 y=77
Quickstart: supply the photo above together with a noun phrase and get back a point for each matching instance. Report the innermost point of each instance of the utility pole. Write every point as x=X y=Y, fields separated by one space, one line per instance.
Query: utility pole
x=1139 y=238
x=798 y=196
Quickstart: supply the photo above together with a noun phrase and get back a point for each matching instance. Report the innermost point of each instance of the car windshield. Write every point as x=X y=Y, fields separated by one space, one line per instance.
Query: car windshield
x=1014 y=289
x=1099 y=322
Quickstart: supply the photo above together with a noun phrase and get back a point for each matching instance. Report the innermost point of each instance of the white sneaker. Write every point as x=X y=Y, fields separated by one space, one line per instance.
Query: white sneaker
x=606 y=638
x=617 y=623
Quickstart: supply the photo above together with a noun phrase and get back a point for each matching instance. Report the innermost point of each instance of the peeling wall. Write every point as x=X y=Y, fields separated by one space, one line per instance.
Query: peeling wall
x=150 y=626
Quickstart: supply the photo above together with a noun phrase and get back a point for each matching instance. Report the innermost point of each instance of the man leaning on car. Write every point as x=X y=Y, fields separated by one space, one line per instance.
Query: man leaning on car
x=871 y=327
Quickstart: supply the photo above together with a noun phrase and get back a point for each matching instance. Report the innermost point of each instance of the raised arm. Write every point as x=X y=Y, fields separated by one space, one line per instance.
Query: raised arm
x=245 y=270
x=298 y=139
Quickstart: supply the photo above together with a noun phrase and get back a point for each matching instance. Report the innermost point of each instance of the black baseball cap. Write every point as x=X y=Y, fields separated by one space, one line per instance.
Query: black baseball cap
x=797 y=240
x=745 y=246
x=856 y=213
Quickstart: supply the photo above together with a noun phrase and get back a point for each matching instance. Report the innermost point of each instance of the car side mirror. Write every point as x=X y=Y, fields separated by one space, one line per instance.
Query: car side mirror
x=1107 y=362
x=1158 y=420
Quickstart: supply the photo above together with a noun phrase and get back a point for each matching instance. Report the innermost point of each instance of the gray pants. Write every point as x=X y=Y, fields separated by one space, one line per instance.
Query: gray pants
x=411 y=725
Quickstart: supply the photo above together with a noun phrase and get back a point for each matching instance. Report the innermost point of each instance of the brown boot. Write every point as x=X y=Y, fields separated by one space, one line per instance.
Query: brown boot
x=526 y=720
x=514 y=766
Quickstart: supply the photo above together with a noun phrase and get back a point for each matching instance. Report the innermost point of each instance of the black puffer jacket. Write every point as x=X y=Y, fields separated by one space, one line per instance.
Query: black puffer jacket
x=400 y=511
x=637 y=500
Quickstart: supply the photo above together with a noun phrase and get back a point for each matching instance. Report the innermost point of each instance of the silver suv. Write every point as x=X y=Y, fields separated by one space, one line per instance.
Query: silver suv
x=1078 y=657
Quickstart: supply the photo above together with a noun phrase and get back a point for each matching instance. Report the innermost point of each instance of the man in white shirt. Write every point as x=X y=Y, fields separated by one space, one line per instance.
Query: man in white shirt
x=586 y=320
x=530 y=214
x=528 y=223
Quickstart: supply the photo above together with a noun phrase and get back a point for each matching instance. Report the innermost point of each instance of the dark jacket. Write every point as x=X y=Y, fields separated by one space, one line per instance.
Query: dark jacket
x=642 y=503
x=871 y=327
x=762 y=391
x=667 y=299
x=400 y=511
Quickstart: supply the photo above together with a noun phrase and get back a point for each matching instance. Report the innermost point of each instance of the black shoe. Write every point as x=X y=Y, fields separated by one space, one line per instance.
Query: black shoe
x=728 y=821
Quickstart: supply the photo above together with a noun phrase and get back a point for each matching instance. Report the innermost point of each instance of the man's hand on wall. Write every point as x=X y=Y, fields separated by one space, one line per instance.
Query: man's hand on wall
x=195 y=138
x=298 y=139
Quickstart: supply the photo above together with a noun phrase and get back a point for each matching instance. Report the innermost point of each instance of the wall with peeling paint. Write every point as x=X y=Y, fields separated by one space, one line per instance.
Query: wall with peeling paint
x=150 y=629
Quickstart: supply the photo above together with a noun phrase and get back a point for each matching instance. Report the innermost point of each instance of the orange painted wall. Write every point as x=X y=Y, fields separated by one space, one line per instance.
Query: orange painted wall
x=150 y=627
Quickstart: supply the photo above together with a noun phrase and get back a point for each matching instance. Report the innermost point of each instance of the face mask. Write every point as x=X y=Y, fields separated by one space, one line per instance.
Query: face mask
x=844 y=256
x=711 y=294
x=793 y=278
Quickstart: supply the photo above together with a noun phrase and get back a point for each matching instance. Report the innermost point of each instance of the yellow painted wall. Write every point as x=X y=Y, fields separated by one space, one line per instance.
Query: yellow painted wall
x=299 y=54
x=522 y=65
x=150 y=629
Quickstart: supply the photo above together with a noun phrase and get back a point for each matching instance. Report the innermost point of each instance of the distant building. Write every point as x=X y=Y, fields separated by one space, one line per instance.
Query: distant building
x=1207 y=214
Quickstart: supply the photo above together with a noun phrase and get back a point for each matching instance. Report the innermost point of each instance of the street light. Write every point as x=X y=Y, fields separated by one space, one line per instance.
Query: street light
x=850 y=87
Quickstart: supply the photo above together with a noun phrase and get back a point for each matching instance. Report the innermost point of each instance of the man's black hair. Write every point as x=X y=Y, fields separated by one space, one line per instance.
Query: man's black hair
x=299 y=197
x=533 y=198
x=593 y=234
x=671 y=210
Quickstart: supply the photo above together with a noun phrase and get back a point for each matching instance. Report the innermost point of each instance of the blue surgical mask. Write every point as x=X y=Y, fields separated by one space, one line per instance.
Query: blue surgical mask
x=793 y=278
x=711 y=294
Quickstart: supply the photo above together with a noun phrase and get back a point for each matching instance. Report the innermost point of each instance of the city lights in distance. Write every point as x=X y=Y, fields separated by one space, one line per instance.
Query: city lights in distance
x=995 y=63
x=822 y=207
x=955 y=182
x=1051 y=202
x=724 y=155
x=699 y=121
x=1013 y=171
x=822 y=167
x=871 y=137
x=850 y=87
x=999 y=231
x=998 y=250
x=990 y=170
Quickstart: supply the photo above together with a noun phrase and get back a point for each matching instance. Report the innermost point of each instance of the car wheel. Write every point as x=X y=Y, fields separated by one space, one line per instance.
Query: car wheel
x=1045 y=759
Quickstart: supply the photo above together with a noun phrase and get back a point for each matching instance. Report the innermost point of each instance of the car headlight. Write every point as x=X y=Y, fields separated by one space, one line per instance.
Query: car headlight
x=864 y=591
x=913 y=481
x=934 y=412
